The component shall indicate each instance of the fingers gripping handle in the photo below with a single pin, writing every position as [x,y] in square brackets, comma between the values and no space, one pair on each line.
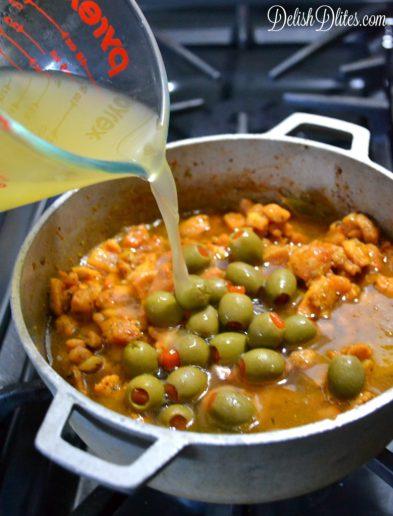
[49,441]
[360,135]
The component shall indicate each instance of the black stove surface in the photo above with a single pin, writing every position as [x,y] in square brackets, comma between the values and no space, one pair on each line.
[227,74]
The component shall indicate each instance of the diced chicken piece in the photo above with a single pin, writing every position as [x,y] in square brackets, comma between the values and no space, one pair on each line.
[234,220]
[277,254]
[384,284]
[79,354]
[257,220]
[312,260]
[82,301]
[360,350]
[376,259]
[221,240]
[114,296]
[69,279]
[357,225]
[195,226]
[357,252]
[102,259]
[294,236]
[93,340]
[324,293]
[86,273]
[276,213]
[335,235]
[108,385]
[74,343]
[303,358]
[136,237]
[57,296]
[163,280]
[341,262]
[112,246]
[245,205]
[110,280]
[143,275]
[66,325]
[123,268]
[120,331]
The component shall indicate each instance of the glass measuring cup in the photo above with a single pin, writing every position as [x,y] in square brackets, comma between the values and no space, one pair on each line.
[81,84]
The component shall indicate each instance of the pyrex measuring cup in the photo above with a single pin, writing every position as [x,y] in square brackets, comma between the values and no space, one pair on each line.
[83,95]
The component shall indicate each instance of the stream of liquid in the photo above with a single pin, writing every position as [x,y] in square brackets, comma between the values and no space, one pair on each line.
[88,121]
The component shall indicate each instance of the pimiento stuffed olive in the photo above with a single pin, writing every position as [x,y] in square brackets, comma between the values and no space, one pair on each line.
[240,273]
[299,328]
[280,285]
[177,416]
[262,365]
[197,257]
[266,331]
[193,293]
[227,347]
[346,376]
[192,350]
[186,384]
[145,392]
[217,288]
[139,357]
[231,408]
[246,246]
[162,309]
[235,311]
[204,322]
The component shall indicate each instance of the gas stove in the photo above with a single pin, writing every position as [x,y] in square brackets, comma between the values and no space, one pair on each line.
[227,73]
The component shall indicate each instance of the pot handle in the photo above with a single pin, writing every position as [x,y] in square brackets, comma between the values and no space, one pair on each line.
[50,442]
[360,135]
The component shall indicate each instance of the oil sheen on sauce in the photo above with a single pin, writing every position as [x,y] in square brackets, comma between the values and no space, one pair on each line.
[88,121]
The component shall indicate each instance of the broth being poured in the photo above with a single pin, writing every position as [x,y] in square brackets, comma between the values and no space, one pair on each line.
[90,122]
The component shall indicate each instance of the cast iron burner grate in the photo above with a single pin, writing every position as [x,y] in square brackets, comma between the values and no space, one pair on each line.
[227,74]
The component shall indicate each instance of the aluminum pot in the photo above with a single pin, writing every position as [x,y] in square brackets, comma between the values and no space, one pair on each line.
[210,172]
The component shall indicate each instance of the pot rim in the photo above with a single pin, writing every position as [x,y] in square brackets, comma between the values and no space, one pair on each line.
[123,423]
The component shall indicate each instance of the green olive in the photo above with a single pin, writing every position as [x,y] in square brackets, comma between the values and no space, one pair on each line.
[346,376]
[231,408]
[162,309]
[227,347]
[177,416]
[145,392]
[266,331]
[204,322]
[246,246]
[235,311]
[262,364]
[186,383]
[217,288]
[281,285]
[139,357]
[192,350]
[196,256]
[298,328]
[240,273]
[193,293]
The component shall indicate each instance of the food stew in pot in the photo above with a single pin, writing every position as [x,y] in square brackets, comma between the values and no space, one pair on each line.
[283,320]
